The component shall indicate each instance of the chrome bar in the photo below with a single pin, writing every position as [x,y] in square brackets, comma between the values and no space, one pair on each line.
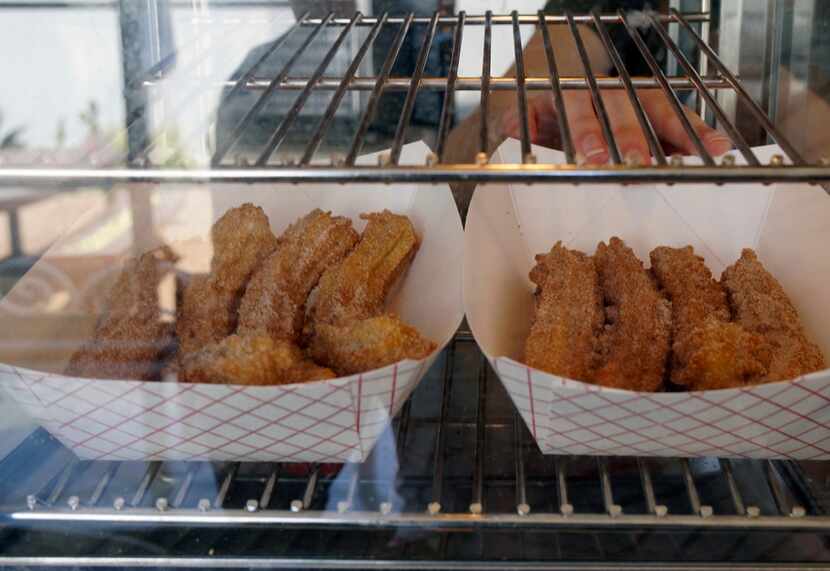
[468,83]
[266,95]
[636,104]
[419,520]
[556,87]
[62,481]
[703,61]
[477,503]
[106,478]
[311,148]
[311,487]
[505,20]
[734,491]
[599,105]
[691,490]
[521,93]
[264,562]
[730,129]
[441,434]
[759,113]
[785,502]
[47,180]
[409,102]
[648,487]
[612,509]
[522,507]
[270,486]
[561,467]
[449,92]
[485,84]
[377,89]
[277,137]
[149,475]
[184,487]
[670,95]
[219,500]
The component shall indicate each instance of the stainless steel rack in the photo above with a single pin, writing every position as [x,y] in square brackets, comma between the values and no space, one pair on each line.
[269,165]
[466,465]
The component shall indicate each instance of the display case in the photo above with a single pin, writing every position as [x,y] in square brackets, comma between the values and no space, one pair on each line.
[124,124]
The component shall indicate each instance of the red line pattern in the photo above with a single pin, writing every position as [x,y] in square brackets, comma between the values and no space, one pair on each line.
[779,420]
[128,420]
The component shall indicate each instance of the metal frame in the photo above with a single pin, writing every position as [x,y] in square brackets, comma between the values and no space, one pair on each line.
[271,167]
[278,498]
[53,502]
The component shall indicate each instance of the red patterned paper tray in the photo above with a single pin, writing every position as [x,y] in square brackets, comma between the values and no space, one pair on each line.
[48,316]
[788,228]
[331,421]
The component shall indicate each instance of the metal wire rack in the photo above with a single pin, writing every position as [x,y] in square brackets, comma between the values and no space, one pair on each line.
[466,470]
[228,164]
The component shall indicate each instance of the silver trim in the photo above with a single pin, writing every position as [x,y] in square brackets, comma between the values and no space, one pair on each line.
[49,179]
[287,563]
[439,520]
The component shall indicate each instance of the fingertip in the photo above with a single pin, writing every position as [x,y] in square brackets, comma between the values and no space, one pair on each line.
[717,143]
[634,156]
[593,150]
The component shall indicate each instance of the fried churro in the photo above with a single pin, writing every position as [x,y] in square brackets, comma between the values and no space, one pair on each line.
[634,346]
[568,314]
[760,305]
[130,337]
[708,352]
[251,360]
[367,344]
[356,288]
[242,239]
[275,299]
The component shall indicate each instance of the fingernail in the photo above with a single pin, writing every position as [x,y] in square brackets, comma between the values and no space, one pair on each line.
[592,148]
[633,158]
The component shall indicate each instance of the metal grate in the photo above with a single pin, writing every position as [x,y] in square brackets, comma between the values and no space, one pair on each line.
[467,467]
[268,164]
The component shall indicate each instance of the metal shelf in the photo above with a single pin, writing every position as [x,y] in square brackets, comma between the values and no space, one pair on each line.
[466,466]
[269,164]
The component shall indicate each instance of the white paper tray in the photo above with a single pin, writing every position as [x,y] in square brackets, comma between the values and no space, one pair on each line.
[327,421]
[788,227]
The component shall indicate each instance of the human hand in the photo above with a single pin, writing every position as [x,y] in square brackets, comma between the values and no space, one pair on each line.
[586,132]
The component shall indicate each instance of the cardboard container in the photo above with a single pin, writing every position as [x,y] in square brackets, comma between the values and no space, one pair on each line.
[327,421]
[789,227]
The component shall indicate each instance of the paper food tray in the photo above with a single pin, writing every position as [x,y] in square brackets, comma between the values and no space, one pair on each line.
[789,227]
[327,421]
